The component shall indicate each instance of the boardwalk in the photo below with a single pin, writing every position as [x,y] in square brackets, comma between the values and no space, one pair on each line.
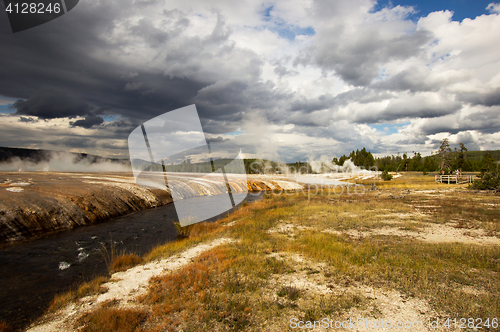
[454,178]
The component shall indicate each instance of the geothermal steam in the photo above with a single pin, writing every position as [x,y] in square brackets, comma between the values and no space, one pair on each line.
[63,162]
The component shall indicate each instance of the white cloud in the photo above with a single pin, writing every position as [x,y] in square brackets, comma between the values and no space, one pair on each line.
[494,8]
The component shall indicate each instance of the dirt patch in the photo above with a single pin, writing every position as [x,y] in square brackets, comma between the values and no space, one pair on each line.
[287,229]
[391,308]
[433,233]
[308,276]
[447,233]
[381,305]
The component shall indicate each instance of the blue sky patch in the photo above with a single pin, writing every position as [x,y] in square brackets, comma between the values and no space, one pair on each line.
[267,13]
[235,133]
[388,128]
[109,118]
[4,109]
[283,29]
[290,31]
[461,8]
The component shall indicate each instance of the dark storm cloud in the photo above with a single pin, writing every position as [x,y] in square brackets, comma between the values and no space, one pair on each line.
[154,36]
[27,120]
[485,121]
[224,104]
[396,111]
[88,122]
[357,61]
[414,140]
[467,139]
[75,142]
[418,79]
[217,139]
[409,79]
[415,106]
[60,57]
[51,104]
[491,98]
[360,95]
[313,104]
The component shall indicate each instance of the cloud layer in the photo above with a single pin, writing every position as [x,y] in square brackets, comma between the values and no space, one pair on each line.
[287,79]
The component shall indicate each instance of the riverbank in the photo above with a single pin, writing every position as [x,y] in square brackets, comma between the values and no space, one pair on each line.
[34,272]
[34,204]
[403,253]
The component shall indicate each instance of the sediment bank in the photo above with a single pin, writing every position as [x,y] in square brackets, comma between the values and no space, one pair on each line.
[33,204]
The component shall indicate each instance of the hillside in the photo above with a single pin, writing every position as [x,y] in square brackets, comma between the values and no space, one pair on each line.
[36,156]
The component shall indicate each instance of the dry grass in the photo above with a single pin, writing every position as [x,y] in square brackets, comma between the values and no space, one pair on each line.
[409,180]
[124,262]
[109,318]
[230,289]
[85,289]
[294,257]
[4,327]
[467,209]
[427,271]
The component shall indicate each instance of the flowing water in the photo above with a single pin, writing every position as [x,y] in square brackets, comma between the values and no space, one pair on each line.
[32,273]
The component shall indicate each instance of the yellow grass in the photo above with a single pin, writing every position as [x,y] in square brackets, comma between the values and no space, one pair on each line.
[87,288]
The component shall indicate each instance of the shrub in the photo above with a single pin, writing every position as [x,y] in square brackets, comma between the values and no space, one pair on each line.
[183,232]
[489,178]
[386,176]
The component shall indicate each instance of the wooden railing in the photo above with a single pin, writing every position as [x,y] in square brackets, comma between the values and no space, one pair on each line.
[454,178]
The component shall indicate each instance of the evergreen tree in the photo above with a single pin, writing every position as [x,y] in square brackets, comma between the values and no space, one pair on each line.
[490,179]
[445,154]
[461,157]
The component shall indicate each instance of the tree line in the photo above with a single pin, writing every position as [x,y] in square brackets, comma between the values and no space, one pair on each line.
[445,159]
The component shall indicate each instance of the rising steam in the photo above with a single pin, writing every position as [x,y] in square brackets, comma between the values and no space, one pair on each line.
[325,165]
[64,162]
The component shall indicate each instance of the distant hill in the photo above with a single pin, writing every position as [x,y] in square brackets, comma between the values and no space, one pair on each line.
[37,156]
[478,155]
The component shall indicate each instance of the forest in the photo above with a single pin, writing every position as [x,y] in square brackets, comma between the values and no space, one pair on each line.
[446,158]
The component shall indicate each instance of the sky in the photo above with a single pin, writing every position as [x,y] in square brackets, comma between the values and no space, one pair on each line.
[284,80]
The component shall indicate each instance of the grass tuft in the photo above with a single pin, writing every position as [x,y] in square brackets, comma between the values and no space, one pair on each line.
[4,327]
[124,262]
[85,289]
[292,293]
[111,319]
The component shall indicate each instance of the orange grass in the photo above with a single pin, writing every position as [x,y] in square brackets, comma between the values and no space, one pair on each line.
[105,319]
[124,262]
[4,327]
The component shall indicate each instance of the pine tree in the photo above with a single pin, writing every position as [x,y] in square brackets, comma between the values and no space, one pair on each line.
[445,153]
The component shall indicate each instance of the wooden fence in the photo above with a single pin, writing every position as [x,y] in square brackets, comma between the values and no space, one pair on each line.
[454,178]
